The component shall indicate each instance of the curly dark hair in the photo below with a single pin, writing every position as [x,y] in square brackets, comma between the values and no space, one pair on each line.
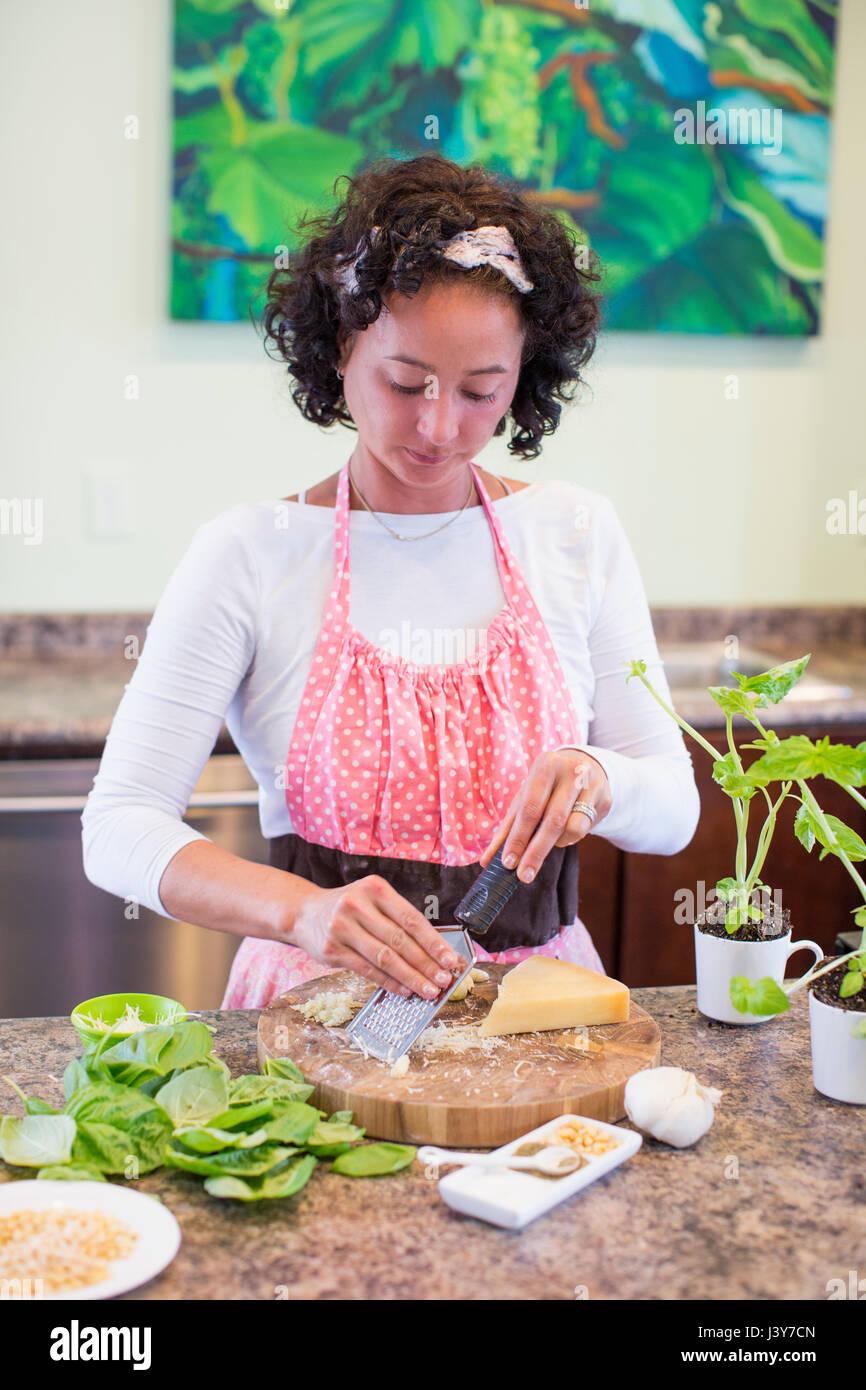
[419,204]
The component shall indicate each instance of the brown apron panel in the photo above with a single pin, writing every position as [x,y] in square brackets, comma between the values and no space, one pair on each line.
[535,912]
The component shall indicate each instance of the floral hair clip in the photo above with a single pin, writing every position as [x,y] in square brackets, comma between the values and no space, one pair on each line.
[478,246]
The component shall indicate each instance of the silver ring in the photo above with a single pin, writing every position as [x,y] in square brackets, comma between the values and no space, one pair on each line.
[587,810]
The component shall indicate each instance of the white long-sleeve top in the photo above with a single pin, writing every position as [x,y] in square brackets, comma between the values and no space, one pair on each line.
[233,637]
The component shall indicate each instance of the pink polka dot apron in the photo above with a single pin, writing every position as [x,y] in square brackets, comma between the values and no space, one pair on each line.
[405,771]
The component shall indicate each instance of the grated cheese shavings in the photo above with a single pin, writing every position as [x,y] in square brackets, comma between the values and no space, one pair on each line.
[130,1021]
[463,1038]
[330,1008]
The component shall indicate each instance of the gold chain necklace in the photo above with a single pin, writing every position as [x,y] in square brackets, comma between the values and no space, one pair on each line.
[396,534]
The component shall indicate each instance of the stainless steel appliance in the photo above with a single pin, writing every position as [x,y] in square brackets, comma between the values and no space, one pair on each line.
[63,940]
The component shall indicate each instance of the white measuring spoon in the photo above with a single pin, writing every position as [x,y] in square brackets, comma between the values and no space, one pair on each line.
[555,1159]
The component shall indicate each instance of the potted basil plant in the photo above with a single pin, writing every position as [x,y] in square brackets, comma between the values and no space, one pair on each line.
[837,985]
[744,931]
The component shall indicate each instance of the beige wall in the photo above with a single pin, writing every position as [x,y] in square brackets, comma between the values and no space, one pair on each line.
[84,286]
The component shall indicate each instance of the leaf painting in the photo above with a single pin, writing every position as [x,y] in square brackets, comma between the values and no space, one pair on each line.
[688,143]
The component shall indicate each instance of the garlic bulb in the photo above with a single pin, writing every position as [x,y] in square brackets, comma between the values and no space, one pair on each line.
[670,1104]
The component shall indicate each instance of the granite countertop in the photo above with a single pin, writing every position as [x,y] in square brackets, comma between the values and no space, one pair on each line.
[768,1205]
[62,680]
[64,674]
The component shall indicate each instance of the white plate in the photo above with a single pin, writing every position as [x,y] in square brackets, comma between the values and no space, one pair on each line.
[157,1230]
[513,1199]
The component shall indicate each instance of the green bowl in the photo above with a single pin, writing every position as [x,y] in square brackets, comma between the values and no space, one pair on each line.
[152,1008]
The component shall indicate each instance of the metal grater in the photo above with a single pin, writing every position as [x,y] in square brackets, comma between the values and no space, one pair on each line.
[388,1024]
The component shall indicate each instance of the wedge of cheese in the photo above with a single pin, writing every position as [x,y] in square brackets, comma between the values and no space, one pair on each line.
[542,993]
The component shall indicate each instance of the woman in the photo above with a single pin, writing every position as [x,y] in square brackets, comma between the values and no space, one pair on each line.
[430,304]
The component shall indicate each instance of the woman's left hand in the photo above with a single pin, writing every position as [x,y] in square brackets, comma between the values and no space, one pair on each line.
[541,814]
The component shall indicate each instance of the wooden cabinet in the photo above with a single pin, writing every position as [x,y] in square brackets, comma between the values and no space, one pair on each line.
[629,902]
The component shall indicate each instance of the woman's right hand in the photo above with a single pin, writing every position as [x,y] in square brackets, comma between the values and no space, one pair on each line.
[366,926]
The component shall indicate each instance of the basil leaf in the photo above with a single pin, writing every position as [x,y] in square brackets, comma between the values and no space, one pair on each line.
[149,1135]
[763,996]
[107,1103]
[34,1141]
[139,1118]
[119,1127]
[230,1187]
[281,1066]
[217,1064]
[70,1172]
[240,1115]
[207,1139]
[151,1053]
[104,1147]
[77,1076]
[732,921]
[329,1138]
[848,839]
[736,701]
[286,1183]
[32,1104]
[246,1139]
[235,1162]
[374,1160]
[247,1090]
[776,682]
[852,983]
[156,1083]
[731,779]
[799,757]
[293,1125]
[194,1097]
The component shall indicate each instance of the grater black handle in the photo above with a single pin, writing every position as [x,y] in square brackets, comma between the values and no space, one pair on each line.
[487,896]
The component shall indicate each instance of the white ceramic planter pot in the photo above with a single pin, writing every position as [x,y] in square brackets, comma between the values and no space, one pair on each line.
[838,1059]
[718,959]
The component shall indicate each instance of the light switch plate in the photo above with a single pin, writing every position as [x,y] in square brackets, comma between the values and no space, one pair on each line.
[109,504]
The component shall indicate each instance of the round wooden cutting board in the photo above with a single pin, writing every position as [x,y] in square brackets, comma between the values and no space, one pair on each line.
[494,1092]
